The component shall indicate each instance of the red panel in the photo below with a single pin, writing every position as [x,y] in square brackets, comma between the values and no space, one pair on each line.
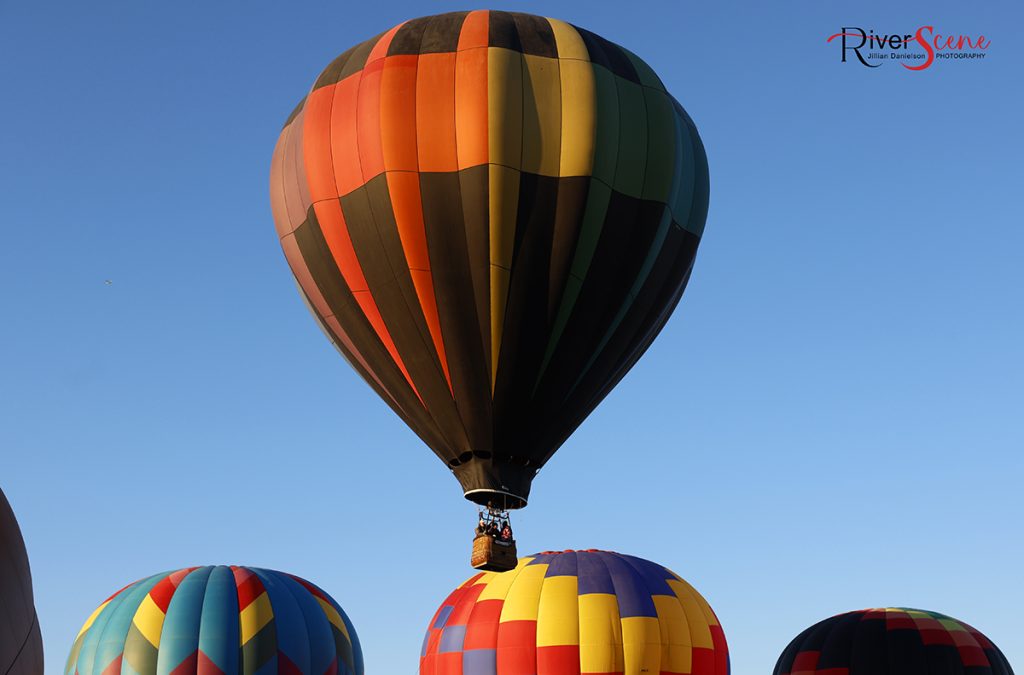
[449,663]
[371,152]
[316,144]
[704,661]
[806,661]
[188,666]
[113,668]
[517,648]
[482,629]
[205,666]
[938,636]
[398,113]
[558,660]
[721,650]
[428,664]
[285,666]
[162,593]
[973,656]
[471,107]
[435,112]
[464,607]
[344,139]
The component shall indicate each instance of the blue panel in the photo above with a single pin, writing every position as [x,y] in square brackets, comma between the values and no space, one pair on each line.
[426,640]
[452,639]
[654,575]
[540,559]
[218,625]
[179,637]
[442,616]
[322,650]
[563,565]
[480,662]
[593,574]
[630,590]
[289,621]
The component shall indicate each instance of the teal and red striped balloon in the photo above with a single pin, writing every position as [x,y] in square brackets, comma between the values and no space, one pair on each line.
[217,620]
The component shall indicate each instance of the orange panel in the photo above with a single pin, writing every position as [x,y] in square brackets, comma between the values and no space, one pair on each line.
[471,107]
[316,144]
[475,30]
[335,230]
[380,50]
[282,223]
[435,112]
[371,153]
[344,141]
[398,113]
[404,189]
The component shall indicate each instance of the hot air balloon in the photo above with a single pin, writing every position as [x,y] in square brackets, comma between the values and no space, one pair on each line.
[895,641]
[572,612]
[217,621]
[21,645]
[491,215]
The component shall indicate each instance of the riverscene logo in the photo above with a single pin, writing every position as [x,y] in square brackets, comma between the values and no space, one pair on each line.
[914,51]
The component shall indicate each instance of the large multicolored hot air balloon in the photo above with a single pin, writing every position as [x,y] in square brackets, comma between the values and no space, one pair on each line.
[891,641]
[217,621]
[491,215]
[572,613]
[21,645]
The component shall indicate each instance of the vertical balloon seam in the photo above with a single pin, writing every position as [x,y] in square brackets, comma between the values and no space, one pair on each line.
[123,604]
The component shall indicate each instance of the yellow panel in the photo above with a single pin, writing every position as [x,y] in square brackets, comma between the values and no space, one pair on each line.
[92,617]
[255,616]
[542,115]
[568,41]
[641,645]
[579,118]
[558,618]
[676,656]
[699,631]
[503,205]
[600,634]
[505,106]
[332,616]
[149,619]
[523,597]
[498,584]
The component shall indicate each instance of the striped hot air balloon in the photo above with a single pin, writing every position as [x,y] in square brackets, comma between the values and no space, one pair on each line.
[217,620]
[573,613]
[21,645]
[491,215]
[893,641]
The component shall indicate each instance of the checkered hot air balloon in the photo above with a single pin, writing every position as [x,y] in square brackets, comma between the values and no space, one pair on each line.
[491,215]
[891,641]
[214,621]
[573,613]
[21,645]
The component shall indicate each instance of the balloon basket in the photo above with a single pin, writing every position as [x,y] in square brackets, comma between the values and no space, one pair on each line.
[492,555]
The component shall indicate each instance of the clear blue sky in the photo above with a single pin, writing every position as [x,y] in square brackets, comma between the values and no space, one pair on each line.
[831,420]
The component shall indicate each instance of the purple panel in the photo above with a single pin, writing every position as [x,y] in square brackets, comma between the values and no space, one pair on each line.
[442,616]
[480,662]
[452,638]
[654,575]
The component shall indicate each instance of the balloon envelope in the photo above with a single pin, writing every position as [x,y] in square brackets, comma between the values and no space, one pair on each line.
[572,612]
[218,620]
[21,645]
[491,215]
[895,641]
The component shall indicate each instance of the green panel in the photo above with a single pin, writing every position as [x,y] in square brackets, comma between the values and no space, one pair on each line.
[683,200]
[632,159]
[606,141]
[647,76]
[661,147]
